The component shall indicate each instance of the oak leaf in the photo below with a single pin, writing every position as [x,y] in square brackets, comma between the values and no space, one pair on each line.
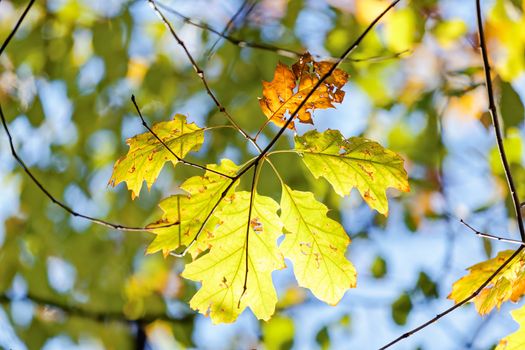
[222,271]
[146,155]
[289,88]
[188,211]
[354,162]
[507,285]
[316,245]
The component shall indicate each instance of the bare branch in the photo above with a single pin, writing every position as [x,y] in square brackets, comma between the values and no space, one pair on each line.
[489,236]
[267,47]
[461,303]
[495,120]
[200,72]
[515,199]
[198,166]
[231,22]
[17,25]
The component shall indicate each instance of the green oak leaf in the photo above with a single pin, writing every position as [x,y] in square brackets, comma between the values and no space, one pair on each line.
[316,245]
[146,155]
[222,270]
[191,209]
[354,162]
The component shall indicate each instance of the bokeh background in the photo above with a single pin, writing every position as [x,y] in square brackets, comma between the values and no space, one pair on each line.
[416,86]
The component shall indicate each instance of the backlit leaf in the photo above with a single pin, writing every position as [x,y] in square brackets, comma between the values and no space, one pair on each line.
[289,88]
[516,340]
[316,245]
[146,155]
[354,162]
[508,285]
[190,210]
[222,270]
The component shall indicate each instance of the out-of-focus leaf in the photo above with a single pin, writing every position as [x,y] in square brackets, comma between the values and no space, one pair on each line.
[323,339]
[511,106]
[427,286]
[354,162]
[278,333]
[378,267]
[401,308]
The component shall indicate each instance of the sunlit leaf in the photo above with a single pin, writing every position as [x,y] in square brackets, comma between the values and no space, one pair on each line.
[354,162]
[516,340]
[290,87]
[508,285]
[146,155]
[316,245]
[222,270]
[191,209]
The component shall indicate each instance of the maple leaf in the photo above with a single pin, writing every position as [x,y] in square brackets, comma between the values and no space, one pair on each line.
[516,340]
[508,285]
[316,245]
[354,162]
[146,155]
[290,87]
[191,209]
[222,270]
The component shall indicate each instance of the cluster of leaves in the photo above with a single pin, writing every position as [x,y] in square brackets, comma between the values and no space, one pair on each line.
[233,235]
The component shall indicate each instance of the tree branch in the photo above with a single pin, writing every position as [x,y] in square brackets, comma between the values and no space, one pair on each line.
[515,199]
[489,236]
[495,121]
[200,73]
[266,47]
[461,303]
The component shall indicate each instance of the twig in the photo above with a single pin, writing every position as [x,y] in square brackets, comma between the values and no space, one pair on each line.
[247,239]
[489,236]
[515,199]
[461,303]
[99,316]
[199,72]
[266,47]
[198,166]
[231,22]
[495,120]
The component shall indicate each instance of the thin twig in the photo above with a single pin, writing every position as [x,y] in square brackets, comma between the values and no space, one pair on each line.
[231,22]
[461,303]
[267,47]
[248,225]
[199,72]
[495,121]
[198,166]
[489,236]
[515,199]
